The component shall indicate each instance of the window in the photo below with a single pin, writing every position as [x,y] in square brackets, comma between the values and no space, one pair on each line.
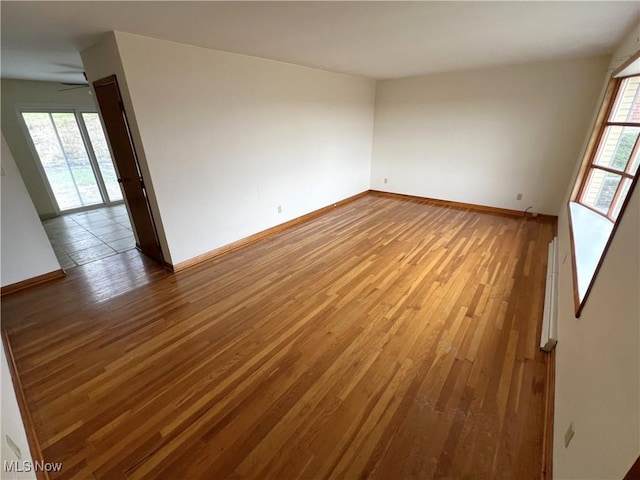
[615,162]
[74,156]
[611,172]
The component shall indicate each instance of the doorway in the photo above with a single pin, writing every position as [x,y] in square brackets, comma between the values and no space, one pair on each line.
[116,126]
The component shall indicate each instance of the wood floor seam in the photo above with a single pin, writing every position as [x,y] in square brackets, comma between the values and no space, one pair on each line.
[387,338]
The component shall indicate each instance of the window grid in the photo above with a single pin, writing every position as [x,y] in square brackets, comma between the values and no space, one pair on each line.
[626,174]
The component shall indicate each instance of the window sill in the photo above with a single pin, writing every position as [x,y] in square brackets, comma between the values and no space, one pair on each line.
[590,234]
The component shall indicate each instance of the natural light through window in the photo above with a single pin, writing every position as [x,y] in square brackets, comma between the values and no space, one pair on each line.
[616,160]
[606,183]
[75,158]
[102,154]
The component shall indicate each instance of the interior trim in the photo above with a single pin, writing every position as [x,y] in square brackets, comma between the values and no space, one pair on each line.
[470,206]
[579,304]
[549,401]
[634,471]
[596,131]
[596,135]
[316,213]
[260,235]
[32,438]
[31,282]
[626,64]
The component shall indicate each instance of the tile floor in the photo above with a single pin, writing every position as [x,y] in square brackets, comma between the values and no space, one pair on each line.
[84,237]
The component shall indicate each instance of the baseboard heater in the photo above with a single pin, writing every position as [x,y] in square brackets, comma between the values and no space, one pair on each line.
[549,336]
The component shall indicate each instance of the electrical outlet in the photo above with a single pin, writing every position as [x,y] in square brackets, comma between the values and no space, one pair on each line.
[386,180]
[279,209]
[568,435]
[519,196]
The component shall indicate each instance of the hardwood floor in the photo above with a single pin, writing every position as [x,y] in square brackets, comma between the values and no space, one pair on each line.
[387,339]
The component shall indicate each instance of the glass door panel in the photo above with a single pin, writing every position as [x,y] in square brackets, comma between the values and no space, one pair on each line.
[102,154]
[64,165]
[77,158]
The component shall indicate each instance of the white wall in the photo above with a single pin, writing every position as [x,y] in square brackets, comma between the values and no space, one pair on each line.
[26,251]
[598,354]
[228,138]
[12,425]
[26,93]
[598,362]
[103,60]
[484,136]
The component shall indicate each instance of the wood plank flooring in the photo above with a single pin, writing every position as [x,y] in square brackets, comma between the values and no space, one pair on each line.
[386,339]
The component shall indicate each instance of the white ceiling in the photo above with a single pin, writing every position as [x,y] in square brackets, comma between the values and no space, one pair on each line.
[42,40]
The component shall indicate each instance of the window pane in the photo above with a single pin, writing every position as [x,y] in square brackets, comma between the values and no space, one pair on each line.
[625,191]
[77,158]
[600,190]
[627,106]
[45,140]
[616,147]
[101,150]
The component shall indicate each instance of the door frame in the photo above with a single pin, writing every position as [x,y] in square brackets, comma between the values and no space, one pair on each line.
[113,79]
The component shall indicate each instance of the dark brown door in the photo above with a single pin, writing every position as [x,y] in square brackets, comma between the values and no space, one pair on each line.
[124,155]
